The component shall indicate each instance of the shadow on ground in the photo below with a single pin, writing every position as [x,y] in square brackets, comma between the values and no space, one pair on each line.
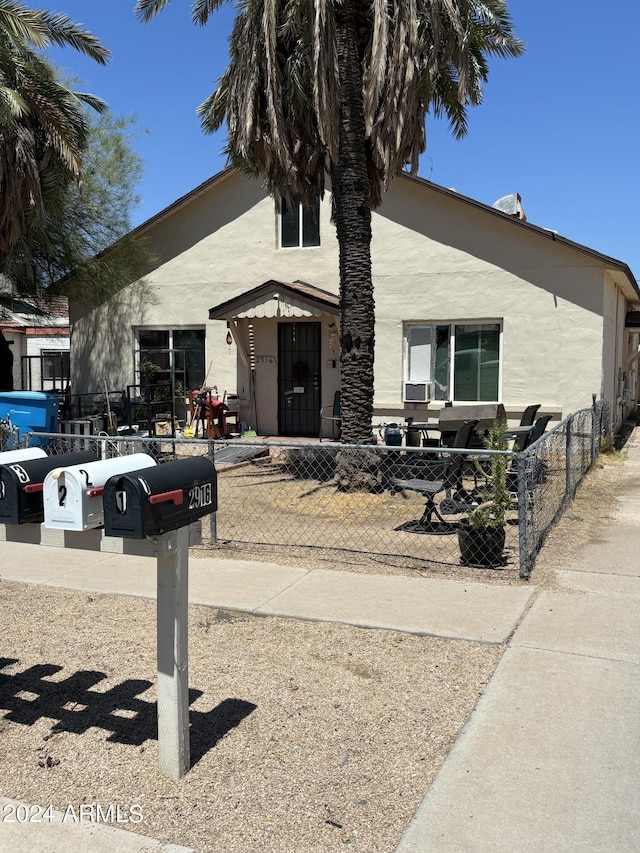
[75,705]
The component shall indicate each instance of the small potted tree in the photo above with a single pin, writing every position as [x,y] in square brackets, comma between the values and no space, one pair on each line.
[481,536]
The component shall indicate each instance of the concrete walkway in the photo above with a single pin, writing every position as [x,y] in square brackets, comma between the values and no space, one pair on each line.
[550,758]
[549,762]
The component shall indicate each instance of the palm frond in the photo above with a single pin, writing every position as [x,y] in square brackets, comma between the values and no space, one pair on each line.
[41,29]
[146,10]
[202,10]
[281,92]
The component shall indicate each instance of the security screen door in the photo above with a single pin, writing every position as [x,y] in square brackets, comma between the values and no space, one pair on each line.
[298,378]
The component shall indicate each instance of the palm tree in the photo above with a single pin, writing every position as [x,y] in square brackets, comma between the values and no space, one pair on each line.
[43,126]
[342,88]
[42,135]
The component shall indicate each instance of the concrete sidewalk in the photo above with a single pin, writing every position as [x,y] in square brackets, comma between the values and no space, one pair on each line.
[470,611]
[550,758]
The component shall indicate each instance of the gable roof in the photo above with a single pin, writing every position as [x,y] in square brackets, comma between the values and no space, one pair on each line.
[620,271]
[278,299]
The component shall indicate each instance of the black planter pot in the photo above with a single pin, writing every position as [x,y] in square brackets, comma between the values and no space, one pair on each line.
[482,548]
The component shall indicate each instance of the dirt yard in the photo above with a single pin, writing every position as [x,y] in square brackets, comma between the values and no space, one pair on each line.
[264,503]
[306,737]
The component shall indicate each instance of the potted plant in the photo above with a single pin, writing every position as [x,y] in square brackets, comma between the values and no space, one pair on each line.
[481,536]
[148,372]
[180,401]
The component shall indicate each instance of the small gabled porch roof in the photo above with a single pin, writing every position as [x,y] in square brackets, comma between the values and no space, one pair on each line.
[278,299]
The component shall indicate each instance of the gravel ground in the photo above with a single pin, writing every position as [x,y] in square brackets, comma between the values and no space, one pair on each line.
[304,736]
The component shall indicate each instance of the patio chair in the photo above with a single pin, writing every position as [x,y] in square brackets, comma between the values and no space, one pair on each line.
[529,414]
[523,439]
[522,443]
[449,482]
[335,417]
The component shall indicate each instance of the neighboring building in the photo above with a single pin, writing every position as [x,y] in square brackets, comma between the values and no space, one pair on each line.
[37,331]
[473,303]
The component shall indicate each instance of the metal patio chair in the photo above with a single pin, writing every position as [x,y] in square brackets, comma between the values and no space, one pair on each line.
[335,417]
[449,483]
[529,414]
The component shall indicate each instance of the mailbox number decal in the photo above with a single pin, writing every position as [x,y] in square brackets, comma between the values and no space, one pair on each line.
[121,501]
[200,496]
[62,495]
[20,473]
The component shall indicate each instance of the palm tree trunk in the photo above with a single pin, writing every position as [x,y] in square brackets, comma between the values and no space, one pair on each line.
[352,214]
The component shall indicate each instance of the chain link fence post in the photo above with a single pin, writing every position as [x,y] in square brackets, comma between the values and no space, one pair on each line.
[525,556]
[567,457]
[595,424]
[213,518]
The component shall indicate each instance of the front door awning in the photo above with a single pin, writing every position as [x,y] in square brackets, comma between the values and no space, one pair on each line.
[278,299]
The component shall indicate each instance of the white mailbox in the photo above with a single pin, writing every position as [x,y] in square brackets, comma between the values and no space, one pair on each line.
[8,457]
[73,495]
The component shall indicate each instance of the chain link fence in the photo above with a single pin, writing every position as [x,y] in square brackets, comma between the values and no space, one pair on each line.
[280,500]
[550,471]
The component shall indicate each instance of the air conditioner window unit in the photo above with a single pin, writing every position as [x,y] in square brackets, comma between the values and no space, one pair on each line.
[416,392]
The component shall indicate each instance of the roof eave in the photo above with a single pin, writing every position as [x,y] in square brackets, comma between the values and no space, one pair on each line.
[184,200]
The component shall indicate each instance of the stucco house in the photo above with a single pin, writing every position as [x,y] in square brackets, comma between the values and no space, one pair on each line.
[36,329]
[473,303]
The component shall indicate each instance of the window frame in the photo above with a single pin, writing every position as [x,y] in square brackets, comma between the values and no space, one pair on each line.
[65,362]
[180,372]
[302,211]
[410,377]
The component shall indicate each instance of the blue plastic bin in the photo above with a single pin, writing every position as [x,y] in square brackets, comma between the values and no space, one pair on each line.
[30,411]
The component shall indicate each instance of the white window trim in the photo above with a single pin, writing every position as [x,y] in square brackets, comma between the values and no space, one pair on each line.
[300,231]
[485,321]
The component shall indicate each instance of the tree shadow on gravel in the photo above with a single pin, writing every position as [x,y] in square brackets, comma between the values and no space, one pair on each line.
[75,705]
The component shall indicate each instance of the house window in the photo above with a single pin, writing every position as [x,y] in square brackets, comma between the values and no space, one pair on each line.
[299,225]
[453,361]
[55,364]
[180,349]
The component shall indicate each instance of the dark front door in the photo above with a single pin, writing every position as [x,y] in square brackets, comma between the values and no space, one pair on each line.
[298,378]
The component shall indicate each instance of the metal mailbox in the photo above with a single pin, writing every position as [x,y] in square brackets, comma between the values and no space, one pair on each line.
[22,485]
[145,503]
[8,456]
[73,496]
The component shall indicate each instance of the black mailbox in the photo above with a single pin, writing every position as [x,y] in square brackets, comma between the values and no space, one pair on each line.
[152,501]
[22,485]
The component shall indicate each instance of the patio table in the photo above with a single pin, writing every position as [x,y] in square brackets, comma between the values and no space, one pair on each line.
[424,427]
[516,432]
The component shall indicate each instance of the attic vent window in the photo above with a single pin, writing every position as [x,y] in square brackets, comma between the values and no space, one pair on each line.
[299,226]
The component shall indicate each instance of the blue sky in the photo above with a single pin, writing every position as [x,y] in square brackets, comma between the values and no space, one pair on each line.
[557,125]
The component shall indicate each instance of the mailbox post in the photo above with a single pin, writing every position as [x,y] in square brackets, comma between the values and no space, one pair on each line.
[148,511]
[174,753]
[153,502]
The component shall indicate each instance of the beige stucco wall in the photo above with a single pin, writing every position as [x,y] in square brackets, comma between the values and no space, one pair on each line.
[434,260]
[463,264]
[220,245]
